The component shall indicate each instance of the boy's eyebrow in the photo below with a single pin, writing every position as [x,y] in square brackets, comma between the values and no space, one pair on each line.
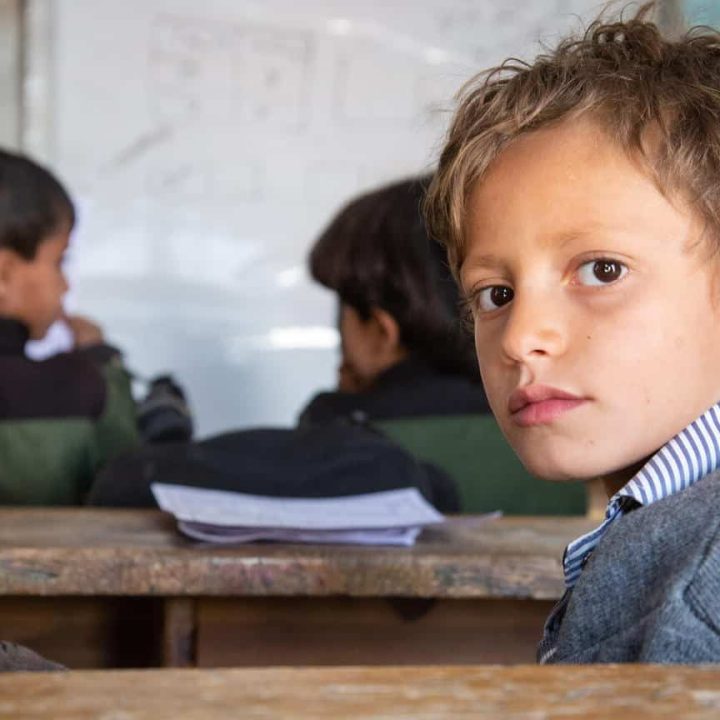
[488,261]
[480,262]
[567,236]
[557,240]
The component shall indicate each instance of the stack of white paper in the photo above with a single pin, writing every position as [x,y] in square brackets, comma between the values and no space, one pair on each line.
[394,517]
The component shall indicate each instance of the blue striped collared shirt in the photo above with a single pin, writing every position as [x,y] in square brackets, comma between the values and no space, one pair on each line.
[690,455]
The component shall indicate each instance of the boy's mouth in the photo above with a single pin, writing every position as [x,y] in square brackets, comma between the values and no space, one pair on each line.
[540,404]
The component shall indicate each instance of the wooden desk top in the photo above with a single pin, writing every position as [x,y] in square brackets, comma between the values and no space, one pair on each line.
[84,551]
[413,693]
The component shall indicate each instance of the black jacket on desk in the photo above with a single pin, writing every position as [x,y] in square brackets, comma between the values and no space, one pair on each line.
[331,453]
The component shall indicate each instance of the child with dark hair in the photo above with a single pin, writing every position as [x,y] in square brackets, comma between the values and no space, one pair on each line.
[404,351]
[578,198]
[62,418]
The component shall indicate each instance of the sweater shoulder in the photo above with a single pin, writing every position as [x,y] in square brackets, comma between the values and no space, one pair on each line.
[66,385]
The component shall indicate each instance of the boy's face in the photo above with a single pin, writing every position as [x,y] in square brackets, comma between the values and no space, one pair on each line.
[369,348]
[597,325]
[33,290]
[357,366]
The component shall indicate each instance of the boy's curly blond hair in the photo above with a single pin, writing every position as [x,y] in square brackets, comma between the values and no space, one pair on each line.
[659,99]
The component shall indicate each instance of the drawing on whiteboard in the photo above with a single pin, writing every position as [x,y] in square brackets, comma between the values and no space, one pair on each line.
[366,94]
[181,181]
[229,72]
[178,175]
[358,101]
[139,147]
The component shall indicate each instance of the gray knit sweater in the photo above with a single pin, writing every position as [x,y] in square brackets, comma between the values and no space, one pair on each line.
[21,659]
[650,591]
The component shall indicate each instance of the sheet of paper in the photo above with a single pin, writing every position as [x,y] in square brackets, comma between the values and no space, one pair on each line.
[394,536]
[384,510]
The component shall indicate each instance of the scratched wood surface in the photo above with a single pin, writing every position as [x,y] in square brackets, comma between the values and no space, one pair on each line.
[138,552]
[415,693]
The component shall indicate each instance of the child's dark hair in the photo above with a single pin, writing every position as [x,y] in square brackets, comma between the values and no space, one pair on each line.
[33,205]
[377,253]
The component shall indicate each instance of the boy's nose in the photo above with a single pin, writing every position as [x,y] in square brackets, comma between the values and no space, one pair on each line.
[535,328]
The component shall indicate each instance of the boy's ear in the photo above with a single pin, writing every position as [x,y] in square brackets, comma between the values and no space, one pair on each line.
[387,327]
[8,262]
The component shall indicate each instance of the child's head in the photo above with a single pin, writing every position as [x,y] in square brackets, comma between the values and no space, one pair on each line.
[397,296]
[36,217]
[579,200]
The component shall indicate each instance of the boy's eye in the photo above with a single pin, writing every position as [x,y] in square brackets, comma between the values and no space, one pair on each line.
[600,272]
[494,297]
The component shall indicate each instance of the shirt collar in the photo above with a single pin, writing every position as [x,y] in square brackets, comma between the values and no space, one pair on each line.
[689,456]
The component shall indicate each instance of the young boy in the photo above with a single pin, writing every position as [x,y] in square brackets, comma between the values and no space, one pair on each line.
[64,417]
[578,198]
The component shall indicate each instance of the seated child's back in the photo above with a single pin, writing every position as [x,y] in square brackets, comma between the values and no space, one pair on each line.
[61,418]
[404,351]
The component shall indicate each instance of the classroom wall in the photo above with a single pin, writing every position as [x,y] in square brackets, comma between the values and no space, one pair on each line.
[10,73]
[701,12]
[208,143]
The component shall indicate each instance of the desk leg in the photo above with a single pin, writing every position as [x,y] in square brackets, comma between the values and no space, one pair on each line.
[179,633]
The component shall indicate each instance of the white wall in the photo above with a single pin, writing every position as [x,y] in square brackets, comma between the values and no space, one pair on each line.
[208,142]
[10,72]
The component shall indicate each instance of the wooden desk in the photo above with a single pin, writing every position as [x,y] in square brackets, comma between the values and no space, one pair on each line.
[467,592]
[639,692]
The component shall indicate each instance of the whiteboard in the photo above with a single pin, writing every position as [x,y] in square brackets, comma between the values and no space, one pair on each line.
[208,143]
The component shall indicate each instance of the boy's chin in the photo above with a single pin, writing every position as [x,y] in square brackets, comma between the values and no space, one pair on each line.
[563,471]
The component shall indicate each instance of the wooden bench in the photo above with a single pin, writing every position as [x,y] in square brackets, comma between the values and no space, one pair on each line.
[121,588]
[639,692]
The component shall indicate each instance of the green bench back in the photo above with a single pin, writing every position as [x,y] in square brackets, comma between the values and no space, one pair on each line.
[472,450]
